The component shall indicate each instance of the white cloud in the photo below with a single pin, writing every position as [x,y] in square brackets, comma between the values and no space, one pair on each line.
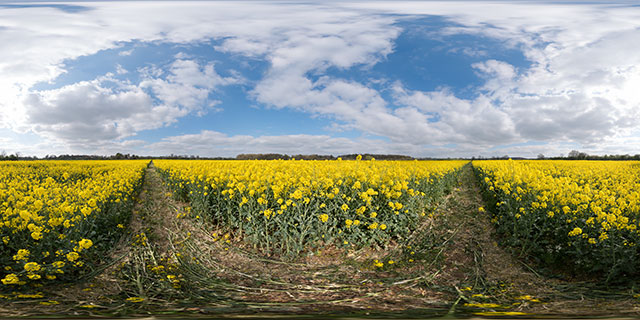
[125,53]
[578,89]
[120,70]
[469,122]
[581,86]
[91,112]
[217,144]
[188,85]
[104,111]
[295,39]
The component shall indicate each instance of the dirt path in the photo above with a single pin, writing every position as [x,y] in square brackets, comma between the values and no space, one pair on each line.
[172,262]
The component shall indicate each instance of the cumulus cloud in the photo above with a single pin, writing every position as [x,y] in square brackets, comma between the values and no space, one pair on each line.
[571,92]
[470,122]
[578,89]
[216,144]
[294,38]
[89,112]
[100,113]
[188,85]
[581,87]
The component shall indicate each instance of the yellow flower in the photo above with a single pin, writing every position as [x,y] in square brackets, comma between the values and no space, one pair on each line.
[85,243]
[31,266]
[135,299]
[576,231]
[11,278]
[324,217]
[22,254]
[73,256]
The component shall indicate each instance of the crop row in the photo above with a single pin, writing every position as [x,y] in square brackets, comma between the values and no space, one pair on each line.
[578,216]
[286,206]
[59,217]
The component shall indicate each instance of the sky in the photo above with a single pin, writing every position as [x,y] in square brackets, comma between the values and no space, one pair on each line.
[419,78]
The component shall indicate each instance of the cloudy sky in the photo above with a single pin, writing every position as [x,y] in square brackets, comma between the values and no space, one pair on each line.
[421,78]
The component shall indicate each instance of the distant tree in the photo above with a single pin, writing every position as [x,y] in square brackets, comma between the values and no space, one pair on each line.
[577,155]
[261,156]
[540,156]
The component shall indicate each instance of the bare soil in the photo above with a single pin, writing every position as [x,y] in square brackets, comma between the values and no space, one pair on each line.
[175,263]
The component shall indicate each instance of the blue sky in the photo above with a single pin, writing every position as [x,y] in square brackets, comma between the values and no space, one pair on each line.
[422,78]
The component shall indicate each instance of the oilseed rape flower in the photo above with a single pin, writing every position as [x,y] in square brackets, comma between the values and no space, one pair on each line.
[576,231]
[53,207]
[579,214]
[32,266]
[22,254]
[10,279]
[340,200]
[85,243]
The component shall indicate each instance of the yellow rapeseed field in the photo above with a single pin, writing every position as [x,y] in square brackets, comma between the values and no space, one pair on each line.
[58,216]
[285,206]
[580,214]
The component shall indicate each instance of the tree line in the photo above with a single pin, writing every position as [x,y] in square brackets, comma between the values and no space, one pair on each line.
[573,155]
[353,156]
